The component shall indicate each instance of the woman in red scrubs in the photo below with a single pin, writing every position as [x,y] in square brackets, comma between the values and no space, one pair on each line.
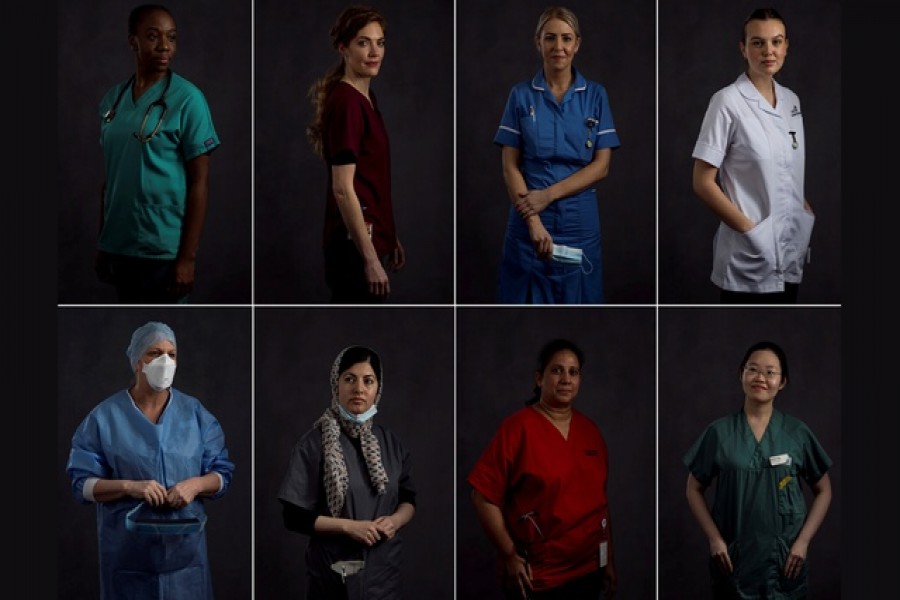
[360,239]
[539,490]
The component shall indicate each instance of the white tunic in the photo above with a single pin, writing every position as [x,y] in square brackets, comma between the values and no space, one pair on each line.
[759,151]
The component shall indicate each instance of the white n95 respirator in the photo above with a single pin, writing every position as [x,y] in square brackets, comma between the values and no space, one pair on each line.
[160,372]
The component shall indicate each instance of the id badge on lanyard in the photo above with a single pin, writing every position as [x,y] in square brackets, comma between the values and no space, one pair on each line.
[604,545]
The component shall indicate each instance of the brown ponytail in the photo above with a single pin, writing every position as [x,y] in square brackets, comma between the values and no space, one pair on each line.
[348,24]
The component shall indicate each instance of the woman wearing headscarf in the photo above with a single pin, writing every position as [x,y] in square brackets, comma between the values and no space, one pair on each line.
[348,487]
[147,457]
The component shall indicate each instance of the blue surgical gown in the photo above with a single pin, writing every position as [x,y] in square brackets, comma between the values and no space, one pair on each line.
[116,441]
[555,139]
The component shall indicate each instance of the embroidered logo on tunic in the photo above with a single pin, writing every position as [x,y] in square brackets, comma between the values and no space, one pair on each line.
[209,142]
[795,111]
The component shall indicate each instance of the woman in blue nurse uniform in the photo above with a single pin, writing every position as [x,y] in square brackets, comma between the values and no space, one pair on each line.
[557,136]
[157,135]
[752,140]
[150,451]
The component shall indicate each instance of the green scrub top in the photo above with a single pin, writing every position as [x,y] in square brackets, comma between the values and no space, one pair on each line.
[146,183]
[758,506]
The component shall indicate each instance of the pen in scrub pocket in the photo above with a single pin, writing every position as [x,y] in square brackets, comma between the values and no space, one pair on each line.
[531,112]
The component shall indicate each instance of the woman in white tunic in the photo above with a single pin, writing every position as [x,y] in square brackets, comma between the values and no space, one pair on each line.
[749,170]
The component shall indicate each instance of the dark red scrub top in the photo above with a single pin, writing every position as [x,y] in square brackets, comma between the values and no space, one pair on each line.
[552,492]
[354,132]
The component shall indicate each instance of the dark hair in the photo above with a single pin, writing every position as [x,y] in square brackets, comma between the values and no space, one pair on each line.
[761,14]
[140,12]
[348,24]
[547,352]
[772,347]
[358,354]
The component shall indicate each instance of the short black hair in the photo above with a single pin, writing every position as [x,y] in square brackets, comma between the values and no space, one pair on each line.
[139,12]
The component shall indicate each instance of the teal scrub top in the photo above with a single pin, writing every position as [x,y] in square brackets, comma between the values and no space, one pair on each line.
[758,506]
[146,183]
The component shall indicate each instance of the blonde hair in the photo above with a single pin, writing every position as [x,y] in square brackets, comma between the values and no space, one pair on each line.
[348,24]
[557,12]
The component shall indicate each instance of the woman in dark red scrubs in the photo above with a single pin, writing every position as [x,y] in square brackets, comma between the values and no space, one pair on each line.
[348,132]
[539,490]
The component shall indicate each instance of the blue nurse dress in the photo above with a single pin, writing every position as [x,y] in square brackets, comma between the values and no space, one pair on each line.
[555,140]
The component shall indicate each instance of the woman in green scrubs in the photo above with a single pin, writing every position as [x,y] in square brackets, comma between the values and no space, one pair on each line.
[157,135]
[759,528]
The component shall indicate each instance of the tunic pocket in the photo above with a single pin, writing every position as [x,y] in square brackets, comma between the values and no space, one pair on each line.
[750,257]
[797,233]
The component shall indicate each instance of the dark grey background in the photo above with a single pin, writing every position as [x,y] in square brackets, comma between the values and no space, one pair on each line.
[700,351]
[295,348]
[497,352]
[214,53]
[415,95]
[214,365]
[699,54]
[495,50]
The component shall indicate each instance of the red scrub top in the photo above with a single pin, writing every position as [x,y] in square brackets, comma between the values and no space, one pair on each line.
[354,133]
[552,492]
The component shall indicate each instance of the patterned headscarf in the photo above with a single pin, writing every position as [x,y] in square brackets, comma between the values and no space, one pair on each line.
[331,423]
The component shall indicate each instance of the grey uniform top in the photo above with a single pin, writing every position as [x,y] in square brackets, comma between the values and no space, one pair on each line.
[303,486]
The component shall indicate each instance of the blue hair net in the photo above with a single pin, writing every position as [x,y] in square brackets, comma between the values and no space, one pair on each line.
[146,334]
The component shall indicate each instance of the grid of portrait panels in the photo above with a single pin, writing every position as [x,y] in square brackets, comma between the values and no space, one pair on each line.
[559,380]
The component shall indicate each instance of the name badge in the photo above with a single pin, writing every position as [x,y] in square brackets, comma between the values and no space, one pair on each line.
[604,558]
[780,459]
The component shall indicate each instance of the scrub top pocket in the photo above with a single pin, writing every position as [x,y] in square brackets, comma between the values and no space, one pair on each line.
[790,496]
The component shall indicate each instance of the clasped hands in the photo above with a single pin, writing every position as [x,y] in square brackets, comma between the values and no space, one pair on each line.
[153,493]
[371,532]
[532,202]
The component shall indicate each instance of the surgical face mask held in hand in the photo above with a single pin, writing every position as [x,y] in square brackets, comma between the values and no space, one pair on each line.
[568,255]
[160,372]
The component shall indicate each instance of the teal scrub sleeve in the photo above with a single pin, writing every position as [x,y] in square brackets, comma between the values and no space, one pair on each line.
[700,459]
[816,461]
[199,133]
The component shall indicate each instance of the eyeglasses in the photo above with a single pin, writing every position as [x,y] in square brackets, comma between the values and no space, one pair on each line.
[753,371]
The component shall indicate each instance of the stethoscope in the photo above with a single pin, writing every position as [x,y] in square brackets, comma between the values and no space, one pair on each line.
[160,102]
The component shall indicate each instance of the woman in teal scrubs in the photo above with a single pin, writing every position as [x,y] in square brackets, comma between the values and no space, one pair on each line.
[157,135]
[759,528]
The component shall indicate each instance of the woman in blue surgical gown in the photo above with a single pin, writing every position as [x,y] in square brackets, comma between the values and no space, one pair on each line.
[759,528]
[151,454]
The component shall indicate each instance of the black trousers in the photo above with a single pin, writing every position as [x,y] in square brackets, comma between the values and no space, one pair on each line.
[587,587]
[788,296]
[140,280]
[345,275]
